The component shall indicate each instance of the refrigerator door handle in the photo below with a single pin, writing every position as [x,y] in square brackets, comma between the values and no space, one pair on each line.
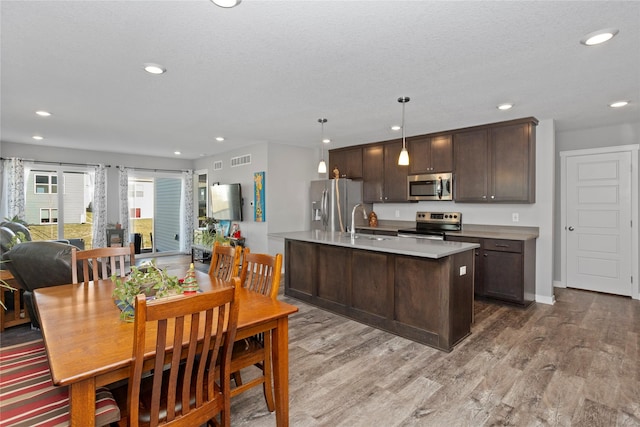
[325,213]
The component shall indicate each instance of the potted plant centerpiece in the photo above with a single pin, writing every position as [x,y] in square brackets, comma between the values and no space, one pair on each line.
[148,279]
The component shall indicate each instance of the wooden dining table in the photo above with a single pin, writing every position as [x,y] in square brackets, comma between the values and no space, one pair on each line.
[88,344]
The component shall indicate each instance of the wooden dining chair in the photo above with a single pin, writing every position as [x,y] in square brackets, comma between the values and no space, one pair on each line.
[260,273]
[96,261]
[225,261]
[179,388]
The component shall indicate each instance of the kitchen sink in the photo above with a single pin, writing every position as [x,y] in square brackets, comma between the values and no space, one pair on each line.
[370,237]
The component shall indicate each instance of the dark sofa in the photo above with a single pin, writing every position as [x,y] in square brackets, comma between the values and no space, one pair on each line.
[36,265]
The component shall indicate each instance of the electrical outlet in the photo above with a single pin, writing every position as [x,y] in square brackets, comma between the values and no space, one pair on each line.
[515,217]
[463,270]
[397,213]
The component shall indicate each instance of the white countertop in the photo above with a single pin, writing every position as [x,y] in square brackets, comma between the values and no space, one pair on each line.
[397,245]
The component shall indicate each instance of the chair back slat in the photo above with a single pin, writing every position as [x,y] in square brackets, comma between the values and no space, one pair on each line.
[225,261]
[261,273]
[197,331]
[97,260]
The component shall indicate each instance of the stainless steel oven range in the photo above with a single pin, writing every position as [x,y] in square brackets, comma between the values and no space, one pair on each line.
[433,225]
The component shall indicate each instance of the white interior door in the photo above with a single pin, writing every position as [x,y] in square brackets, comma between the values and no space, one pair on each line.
[598,222]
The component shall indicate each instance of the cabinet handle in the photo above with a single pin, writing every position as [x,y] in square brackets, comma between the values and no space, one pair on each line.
[484,197]
[486,255]
[501,246]
[493,197]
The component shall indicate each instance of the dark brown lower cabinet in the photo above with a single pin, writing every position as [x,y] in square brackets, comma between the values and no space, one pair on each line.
[505,269]
[423,299]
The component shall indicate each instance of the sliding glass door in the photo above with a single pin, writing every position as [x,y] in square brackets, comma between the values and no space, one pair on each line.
[154,211]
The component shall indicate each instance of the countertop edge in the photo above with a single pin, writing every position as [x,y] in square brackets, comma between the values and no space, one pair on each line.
[479,231]
[422,248]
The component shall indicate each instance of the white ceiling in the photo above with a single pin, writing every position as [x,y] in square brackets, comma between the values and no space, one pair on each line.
[267,70]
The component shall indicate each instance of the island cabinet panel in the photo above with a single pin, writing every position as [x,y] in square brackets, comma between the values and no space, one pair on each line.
[333,274]
[369,283]
[417,293]
[301,274]
[423,299]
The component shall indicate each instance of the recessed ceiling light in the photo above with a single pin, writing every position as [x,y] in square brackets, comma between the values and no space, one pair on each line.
[219,138]
[226,3]
[505,106]
[598,37]
[43,113]
[396,127]
[37,137]
[154,69]
[326,140]
[618,104]
[177,153]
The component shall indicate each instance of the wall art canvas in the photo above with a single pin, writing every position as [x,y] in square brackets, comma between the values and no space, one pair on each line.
[259,213]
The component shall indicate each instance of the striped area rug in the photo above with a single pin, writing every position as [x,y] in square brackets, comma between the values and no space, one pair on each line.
[28,397]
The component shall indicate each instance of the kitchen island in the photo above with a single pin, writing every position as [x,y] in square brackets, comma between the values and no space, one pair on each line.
[419,289]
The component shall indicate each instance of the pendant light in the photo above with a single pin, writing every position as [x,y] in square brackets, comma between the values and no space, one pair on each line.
[403,160]
[226,3]
[322,166]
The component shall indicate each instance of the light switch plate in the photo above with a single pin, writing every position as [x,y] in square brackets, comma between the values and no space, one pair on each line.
[463,270]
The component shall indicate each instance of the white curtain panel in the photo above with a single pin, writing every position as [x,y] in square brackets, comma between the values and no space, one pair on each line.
[13,189]
[124,201]
[186,211]
[100,207]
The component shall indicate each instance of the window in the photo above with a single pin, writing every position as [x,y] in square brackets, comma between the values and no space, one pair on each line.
[48,216]
[46,184]
[58,204]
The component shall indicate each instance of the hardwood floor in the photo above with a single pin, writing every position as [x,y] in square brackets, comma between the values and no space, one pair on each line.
[576,363]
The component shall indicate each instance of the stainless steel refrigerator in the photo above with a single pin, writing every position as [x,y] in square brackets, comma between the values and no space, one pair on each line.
[332,202]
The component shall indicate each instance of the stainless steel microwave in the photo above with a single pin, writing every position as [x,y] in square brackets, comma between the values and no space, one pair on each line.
[437,186]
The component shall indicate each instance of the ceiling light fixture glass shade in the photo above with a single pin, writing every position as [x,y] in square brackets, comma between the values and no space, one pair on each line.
[322,166]
[43,113]
[154,69]
[505,106]
[226,3]
[598,37]
[403,160]
[619,104]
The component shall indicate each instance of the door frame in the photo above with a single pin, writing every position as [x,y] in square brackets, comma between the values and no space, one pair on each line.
[635,259]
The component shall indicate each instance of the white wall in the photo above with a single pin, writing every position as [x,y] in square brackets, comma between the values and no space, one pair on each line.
[609,136]
[288,170]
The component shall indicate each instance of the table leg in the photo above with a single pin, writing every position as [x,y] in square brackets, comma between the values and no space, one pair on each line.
[82,402]
[280,357]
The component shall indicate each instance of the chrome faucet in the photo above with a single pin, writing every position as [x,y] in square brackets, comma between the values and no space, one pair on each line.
[353,218]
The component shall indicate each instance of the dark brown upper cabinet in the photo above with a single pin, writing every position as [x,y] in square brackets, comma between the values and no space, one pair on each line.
[430,154]
[495,163]
[348,161]
[384,180]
